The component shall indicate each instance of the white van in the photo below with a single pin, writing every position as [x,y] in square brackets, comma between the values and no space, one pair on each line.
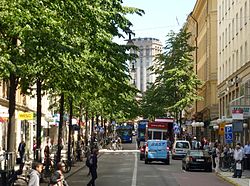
[180,149]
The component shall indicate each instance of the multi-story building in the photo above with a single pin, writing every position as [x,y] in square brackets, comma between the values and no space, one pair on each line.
[24,129]
[148,49]
[234,62]
[202,24]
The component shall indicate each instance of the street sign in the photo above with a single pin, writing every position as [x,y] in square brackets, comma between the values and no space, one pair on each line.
[229,134]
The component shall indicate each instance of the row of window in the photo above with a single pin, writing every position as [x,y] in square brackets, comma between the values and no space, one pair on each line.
[234,26]
[236,60]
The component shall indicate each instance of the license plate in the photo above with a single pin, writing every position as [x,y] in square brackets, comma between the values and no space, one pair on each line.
[199,159]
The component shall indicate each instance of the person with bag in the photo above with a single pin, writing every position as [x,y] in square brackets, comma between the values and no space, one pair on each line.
[238,157]
[57,178]
[93,167]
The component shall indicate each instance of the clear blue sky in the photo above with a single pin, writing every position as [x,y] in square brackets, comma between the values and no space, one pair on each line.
[160,17]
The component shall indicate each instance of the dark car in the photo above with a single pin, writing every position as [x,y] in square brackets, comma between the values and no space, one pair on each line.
[197,160]
[142,151]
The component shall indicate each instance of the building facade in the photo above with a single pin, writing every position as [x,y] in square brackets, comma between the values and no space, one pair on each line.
[202,23]
[148,49]
[234,63]
[24,129]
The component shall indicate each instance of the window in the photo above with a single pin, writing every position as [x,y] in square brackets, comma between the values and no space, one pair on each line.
[229,66]
[245,13]
[241,18]
[246,52]
[220,47]
[241,56]
[219,13]
[226,37]
[233,63]
[237,23]
[222,10]
[237,60]
[226,70]
[233,28]
[223,38]
[147,52]
[229,33]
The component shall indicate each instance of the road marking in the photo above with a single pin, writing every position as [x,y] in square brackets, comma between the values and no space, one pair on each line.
[112,151]
[134,172]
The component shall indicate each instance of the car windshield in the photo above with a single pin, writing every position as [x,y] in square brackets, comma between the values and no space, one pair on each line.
[196,153]
[183,145]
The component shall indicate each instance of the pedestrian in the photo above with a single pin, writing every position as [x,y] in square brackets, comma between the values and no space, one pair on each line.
[217,157]
[93,167]
[21,150]
[238,157]
[57,178]
[35,174]
[47,159]
[247,154]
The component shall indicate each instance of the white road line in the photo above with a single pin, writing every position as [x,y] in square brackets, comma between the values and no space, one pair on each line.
[134,172]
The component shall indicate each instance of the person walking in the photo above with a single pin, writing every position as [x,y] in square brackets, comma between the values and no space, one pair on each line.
[21,150]
[217,157]
[247,154]
[93,167]
[238,157]
[57,179]
[35,174]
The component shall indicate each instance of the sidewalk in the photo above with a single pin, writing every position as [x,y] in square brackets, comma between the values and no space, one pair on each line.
[77,166]
[243,181]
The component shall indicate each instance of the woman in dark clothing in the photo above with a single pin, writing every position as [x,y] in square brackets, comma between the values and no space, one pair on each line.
[93,167]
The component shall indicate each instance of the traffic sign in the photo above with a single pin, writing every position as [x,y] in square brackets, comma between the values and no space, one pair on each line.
[228,129]
[229,134]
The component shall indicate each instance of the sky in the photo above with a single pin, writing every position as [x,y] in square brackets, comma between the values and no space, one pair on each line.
[161,16]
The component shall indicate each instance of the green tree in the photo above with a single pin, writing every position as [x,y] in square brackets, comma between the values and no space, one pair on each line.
[176,84]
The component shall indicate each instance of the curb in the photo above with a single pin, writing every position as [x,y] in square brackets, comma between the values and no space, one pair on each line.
[228,180]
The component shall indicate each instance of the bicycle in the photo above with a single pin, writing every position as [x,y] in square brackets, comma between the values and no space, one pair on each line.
[68,165]
[15,179]
[228,163]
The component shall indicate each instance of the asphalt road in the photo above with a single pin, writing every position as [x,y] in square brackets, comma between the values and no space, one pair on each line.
[123,168]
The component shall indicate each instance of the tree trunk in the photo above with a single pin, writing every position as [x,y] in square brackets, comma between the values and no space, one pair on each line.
[70,127]
[92,124]
[86,128]
[38,119]
[60,128]
[11,135]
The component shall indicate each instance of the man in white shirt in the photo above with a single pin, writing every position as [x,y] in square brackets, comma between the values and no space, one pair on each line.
[238,157]
[247,154]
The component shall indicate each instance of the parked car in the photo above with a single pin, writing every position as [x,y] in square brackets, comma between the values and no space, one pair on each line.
[197,159]
[180,149]
[142,151]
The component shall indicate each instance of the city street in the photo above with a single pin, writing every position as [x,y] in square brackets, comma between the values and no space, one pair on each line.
[124,168]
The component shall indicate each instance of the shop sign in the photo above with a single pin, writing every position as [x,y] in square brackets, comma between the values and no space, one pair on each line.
[25,115]
[240,112]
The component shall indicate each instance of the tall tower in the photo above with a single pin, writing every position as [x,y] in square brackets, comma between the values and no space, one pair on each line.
[148,48]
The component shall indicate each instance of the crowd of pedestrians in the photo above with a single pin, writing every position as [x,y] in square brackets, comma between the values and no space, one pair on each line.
[238,154]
